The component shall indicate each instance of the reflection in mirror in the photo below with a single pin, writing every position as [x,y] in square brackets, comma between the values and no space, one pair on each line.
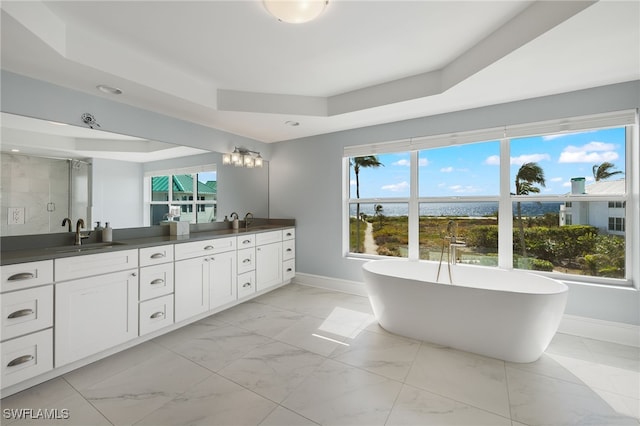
[51,171]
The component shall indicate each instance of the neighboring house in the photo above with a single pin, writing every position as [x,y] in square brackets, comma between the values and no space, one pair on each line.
[607,216]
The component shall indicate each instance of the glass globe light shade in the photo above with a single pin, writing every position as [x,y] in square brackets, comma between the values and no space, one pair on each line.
[295,11]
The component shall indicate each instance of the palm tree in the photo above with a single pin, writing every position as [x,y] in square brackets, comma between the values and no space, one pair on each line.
[528,176]
[357,163]
[603,171]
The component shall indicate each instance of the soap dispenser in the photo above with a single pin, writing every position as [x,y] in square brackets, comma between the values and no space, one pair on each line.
[107,233]
[98,230]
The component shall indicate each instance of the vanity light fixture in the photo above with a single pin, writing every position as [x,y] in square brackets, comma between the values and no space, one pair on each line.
[242,157]
[295,11]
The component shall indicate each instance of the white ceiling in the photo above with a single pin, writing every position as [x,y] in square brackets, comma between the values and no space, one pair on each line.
[231,66]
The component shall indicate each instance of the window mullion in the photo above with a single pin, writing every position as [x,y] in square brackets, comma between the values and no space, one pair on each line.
[505,210]
[414,219]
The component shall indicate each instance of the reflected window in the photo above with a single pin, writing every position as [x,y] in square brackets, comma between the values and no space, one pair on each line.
[193,197]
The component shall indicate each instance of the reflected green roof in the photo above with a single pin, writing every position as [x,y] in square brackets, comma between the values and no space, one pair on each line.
[182,184]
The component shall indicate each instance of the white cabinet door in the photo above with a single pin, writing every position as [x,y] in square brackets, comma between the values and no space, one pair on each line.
[191,287]
[268,266]
[222,279]
[94,314]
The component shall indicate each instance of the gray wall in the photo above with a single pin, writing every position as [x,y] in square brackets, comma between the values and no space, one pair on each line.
[306,184]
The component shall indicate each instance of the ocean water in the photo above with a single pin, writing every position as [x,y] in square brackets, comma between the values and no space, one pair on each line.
[529,209]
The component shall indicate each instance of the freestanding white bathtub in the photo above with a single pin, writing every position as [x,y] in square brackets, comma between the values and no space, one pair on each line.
[509,315]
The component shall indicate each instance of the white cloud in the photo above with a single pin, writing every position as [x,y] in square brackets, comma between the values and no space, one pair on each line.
[459,189]
[396,187]
[556,179]
[529,158]
[566,184]
[404,162]
[593,152]
[422,162]
[493,160]
[446,169]
[352,182]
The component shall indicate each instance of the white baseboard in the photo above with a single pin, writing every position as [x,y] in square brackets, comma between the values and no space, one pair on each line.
[608,331]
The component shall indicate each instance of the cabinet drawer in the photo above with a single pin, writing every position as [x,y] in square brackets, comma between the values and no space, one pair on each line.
[288,249]
[246,260]
[288,269]
[203,248]
[156,314]
[25,275]
[95,264]
[246,241]
[156,281]
[246,284]
[27,357]
[156,255]
[289,234]
[26,311]
[268,237]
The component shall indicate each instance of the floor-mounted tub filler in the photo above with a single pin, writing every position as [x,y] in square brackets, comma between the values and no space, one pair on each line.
[509,315]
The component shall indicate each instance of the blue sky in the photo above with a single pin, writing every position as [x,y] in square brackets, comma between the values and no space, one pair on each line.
[473,169]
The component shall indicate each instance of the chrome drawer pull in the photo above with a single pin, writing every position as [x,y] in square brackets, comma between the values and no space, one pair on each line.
[246,242]
[288,234]
[246,261]
[157,255]
[208,248]
[245,285]
[157,315]
[21,276]
[157,281]
[289,249]
[289,269]
[20,360]
[20,313]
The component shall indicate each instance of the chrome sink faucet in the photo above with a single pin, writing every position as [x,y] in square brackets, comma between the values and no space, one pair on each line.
[248,220]
[79,236]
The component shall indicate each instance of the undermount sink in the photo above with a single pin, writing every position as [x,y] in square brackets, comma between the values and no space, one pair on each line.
[87,247]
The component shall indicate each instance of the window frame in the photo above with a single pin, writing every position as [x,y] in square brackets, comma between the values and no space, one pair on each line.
[505,199]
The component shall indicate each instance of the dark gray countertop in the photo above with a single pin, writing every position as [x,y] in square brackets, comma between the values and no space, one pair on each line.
[10,257]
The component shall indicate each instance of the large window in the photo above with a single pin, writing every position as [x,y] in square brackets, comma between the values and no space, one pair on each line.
[183,196]
[554,202]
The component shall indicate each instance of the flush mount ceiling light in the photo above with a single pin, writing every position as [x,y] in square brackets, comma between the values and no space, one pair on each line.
[108,89]
[242,157]
[295,11]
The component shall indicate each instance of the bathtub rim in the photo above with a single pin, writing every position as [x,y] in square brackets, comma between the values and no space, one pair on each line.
[559,285]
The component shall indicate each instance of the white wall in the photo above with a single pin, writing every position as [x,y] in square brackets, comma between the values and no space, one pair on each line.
[306,184]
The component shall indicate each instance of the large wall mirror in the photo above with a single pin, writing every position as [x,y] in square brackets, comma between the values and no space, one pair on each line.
[51,171]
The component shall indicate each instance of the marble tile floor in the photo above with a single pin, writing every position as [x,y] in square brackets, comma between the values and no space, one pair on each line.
[308,356]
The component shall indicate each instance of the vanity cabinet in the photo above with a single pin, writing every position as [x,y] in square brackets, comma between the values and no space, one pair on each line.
[246,265]
[27,321]
[96,312]
[268,260]
[156,288]
[288,254]
[57,313]
[205,282]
